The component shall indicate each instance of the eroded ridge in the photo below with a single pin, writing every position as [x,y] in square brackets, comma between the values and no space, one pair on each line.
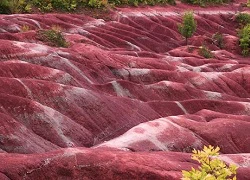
[125,85]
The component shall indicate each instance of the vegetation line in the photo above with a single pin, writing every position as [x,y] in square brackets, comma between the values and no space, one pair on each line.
[27,6]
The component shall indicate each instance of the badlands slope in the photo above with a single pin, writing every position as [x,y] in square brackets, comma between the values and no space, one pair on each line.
[126,100]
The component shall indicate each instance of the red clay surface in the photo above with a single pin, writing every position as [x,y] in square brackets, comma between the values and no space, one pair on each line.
[127,100]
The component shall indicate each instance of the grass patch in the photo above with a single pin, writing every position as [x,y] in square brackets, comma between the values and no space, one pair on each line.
[218,40]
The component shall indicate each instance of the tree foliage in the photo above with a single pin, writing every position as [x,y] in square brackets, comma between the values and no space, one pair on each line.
[244,35]
[188,26]
[211,168]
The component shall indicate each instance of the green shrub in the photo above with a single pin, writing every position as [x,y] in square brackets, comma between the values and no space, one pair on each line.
[243,19]
[244,36]
[203,3]
[4,7]
[153,2]
[53,37]
[171,2]
[205,52]
[49,5]
[97,3]
[14,6]
[117,2]
[188,26]
[210,168]
[65,5]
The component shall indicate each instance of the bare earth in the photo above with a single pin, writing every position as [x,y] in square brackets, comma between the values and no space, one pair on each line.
[127,100]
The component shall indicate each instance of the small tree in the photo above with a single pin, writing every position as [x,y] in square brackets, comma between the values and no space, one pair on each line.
[211,168]
[188,26]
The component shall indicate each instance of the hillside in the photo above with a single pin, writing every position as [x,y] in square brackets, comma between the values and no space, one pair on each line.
[126,98]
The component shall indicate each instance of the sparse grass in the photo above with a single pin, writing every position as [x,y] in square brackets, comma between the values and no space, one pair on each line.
[53,37]
[205,52]
[218,39]
[190,49]
[24,28]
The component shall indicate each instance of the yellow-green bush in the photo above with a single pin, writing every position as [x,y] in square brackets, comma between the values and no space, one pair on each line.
[211,168]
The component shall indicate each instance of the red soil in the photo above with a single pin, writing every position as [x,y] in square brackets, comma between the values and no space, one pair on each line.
[125,86]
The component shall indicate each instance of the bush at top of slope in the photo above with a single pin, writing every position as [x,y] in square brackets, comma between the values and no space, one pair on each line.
[14,6]
[244,35]
[204,3]
[243,19]
[21,6]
